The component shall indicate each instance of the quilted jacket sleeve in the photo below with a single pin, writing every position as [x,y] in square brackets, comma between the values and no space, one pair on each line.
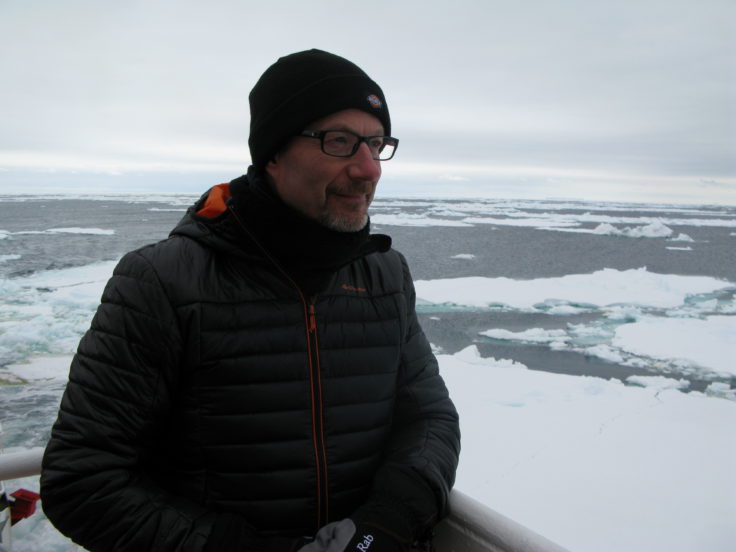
[413,484]
[94,485]
[111,413]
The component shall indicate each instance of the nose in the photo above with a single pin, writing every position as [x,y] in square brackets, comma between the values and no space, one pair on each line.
[362,165]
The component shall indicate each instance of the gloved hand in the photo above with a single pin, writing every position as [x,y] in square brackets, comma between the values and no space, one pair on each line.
[333,537]
[346,536]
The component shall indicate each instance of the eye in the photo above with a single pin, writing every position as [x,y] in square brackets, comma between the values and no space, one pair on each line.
[375,142]
[337,138]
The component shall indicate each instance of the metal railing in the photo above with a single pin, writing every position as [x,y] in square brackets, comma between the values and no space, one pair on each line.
[470,527]
[474,527]
[14,465]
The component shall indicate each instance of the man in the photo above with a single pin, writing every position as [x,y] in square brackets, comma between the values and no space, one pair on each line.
[259,381]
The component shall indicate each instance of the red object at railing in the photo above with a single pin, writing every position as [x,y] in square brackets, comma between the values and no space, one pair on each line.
[23,506]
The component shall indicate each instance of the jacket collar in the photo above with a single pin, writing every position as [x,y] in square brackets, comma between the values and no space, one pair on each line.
[307,251]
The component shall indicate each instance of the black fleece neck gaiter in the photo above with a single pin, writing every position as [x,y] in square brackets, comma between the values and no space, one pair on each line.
[309,252]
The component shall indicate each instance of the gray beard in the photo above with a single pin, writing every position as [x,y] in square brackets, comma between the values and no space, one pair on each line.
[343,224]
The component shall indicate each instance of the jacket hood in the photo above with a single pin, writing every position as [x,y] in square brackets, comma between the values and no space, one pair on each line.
[209,222]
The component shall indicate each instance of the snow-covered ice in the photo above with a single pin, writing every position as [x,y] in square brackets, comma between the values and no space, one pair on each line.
[709,342]
[682,238]
[594,464]
[38,368]
[601,288]
[532,335]
[71,230]
[658,382]
[653,230]
[647,317]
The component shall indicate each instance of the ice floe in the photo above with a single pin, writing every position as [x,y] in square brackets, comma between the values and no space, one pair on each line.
[595,464]
[601,288]
[70,230]
[6,258]
[654,230]
[709,342]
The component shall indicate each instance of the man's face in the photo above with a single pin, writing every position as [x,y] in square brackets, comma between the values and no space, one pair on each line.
[334,191]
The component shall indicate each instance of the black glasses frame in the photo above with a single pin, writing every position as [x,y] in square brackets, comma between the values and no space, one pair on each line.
[320,135]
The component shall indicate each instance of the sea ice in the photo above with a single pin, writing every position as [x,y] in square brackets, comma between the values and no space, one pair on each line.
[709,342]
[604,352]
[6,258]
[602,288]
[76,230]
[532,335]
[653,230]
[593,464]
[47,312]
[682,238]
[70,230]
[658,382]
[404,219]
[41,368]
[721,389]
[566,310]
[622,312]
[544,223]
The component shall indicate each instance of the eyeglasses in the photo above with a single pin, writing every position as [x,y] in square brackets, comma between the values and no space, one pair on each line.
[343,143]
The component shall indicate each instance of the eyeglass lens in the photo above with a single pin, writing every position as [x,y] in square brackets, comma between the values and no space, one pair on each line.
[344,144]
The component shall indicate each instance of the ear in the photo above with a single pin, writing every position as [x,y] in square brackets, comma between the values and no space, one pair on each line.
[272,167]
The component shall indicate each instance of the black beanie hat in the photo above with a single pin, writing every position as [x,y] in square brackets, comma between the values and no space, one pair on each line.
[301,88]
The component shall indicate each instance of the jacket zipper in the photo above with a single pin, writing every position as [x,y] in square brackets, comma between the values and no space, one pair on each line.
[315,385]
[315,382]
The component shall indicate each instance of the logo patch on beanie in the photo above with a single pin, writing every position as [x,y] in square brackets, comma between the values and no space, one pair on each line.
[375,101]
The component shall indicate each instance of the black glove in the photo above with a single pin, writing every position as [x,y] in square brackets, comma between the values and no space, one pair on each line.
[374,538]
[376,528]
[380,527]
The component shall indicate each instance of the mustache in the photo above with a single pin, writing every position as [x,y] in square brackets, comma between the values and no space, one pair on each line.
[354,187]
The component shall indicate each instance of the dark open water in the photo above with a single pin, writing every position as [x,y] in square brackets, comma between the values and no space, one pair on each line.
[517,252]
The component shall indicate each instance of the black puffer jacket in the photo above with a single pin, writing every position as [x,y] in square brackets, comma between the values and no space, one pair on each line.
[211,393]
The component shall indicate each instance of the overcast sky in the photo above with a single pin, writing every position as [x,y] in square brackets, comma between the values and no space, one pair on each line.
[628,100]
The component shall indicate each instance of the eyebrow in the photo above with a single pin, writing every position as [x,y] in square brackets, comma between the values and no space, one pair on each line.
[379,132]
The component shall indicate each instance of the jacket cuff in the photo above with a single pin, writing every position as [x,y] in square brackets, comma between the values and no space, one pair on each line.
[411,506]
[407,512]
[375,518]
